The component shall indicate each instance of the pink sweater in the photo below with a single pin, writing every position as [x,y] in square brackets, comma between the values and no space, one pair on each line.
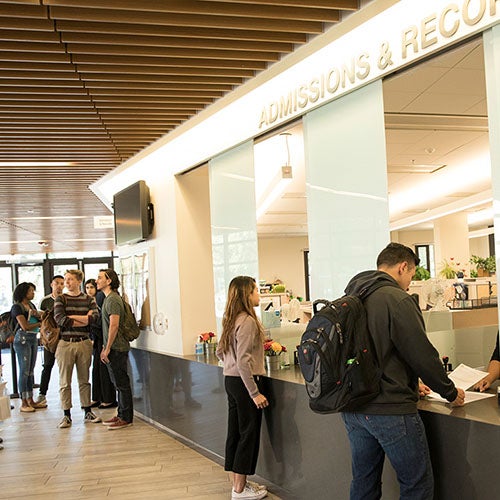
[245,357]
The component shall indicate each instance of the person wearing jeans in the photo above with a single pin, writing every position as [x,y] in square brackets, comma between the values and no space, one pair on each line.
[115,348]
[402,439]
[26,342]
[49,358]
[389,425]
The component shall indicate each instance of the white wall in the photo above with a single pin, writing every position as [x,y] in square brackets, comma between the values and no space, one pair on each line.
[196,275]
[479,246]
[164,267]
[283,258]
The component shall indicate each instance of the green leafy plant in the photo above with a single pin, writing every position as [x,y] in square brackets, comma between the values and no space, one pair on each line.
[487,264]
[421,274]
[448,270]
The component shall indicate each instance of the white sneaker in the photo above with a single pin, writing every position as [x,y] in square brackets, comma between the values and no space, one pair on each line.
[65,422]
[91,418]
[257,486]
[249,493]
[41,400]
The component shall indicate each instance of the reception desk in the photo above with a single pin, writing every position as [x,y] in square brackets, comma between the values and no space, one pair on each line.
[307,455]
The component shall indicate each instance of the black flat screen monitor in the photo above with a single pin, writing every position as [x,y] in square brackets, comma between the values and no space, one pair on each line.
[133,214]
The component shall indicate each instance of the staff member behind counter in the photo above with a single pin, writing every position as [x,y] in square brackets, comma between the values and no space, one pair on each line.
[493,371]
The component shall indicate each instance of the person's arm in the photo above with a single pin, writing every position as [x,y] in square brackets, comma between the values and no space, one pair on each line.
[245,336]
[23,323]
[114,323]
[92,314]
[65,322]
[493,370]
[410,339]
[493,374]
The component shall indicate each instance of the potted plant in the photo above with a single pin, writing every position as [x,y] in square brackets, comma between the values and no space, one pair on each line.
[421,274]
[448,269]
[485,266]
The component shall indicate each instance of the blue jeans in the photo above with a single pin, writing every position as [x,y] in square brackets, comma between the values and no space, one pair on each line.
[118,366]
[26,346]
[400,437]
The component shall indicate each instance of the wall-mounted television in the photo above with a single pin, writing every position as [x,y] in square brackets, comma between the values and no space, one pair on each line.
[133,214]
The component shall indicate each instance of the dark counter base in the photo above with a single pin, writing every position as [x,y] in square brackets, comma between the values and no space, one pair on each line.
[305,454]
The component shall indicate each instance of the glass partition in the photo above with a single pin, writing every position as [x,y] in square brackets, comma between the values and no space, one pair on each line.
[232,210]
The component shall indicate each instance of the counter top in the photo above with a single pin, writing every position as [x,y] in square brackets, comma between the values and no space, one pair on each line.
[486,410]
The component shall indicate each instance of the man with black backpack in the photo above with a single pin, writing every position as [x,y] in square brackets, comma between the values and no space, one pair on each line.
[389,424]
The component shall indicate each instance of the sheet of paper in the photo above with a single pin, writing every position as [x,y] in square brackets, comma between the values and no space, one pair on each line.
[465,377]
[470,396]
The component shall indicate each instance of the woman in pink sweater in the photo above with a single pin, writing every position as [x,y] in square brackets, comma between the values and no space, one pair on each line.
[242,351]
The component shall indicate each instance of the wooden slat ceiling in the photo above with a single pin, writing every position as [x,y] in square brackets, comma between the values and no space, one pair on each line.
[89,83]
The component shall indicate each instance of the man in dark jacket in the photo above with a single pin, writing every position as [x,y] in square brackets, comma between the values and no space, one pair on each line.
[390,424]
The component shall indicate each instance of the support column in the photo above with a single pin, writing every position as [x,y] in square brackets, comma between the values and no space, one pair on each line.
[491,44]
[346,175]
[451,241]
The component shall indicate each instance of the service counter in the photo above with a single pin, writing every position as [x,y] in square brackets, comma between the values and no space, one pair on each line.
[305,454]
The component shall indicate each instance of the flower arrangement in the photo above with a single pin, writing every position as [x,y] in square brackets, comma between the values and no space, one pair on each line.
[273,348]
[450,270]
[206,337]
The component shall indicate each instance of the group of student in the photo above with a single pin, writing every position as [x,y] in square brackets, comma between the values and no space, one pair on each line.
[91,327]
[388,425]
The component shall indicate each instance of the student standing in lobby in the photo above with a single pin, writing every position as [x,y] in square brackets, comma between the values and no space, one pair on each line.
[241,348]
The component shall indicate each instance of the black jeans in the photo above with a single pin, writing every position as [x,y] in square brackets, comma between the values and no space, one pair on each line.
[243,428]
[117,366]
[49,359]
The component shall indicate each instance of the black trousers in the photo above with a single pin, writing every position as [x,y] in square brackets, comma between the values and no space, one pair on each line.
[243,431]
[118,366]
[103,389]
[49,359]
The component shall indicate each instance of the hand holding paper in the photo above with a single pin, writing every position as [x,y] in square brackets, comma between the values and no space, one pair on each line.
[464,377]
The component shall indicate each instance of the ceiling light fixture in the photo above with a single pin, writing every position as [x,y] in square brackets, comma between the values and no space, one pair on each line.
[277,186]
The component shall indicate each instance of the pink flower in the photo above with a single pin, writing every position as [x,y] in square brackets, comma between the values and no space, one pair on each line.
[206,337]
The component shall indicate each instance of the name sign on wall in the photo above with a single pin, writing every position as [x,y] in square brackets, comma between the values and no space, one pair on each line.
[404,33]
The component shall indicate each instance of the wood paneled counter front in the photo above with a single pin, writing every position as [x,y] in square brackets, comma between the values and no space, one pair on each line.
[307,455]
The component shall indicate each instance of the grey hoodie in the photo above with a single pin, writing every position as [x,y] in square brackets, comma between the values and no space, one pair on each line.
[404,352]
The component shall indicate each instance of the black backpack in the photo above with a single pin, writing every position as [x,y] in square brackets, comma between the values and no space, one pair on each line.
[337,358]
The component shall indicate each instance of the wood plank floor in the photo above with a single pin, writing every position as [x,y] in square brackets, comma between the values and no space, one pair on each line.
[41,461]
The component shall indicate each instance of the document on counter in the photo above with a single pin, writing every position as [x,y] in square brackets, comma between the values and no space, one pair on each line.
[470,396]
[465,377]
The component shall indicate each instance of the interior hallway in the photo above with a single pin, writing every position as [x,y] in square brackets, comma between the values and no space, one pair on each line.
[41,461]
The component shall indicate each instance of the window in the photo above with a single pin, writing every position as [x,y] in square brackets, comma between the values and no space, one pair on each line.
[6,288]
[426,255]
